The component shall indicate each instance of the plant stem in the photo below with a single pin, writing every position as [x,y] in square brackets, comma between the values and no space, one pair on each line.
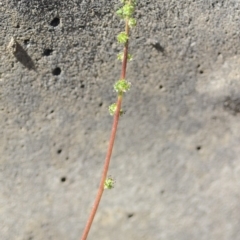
[110,146]
[125,53]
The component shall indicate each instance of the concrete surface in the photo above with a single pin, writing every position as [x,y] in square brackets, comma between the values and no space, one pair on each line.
[176,158]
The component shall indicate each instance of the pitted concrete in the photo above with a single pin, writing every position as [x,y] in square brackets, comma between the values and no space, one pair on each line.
[176,158]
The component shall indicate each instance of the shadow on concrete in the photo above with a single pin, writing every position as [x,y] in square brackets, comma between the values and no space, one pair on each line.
[23,57]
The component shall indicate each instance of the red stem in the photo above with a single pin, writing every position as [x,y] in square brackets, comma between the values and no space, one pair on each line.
[105,170]
[110,146]
[125,54]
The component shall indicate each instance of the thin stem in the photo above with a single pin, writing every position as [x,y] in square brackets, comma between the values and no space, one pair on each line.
[105,169]
[110,146]
[125,53]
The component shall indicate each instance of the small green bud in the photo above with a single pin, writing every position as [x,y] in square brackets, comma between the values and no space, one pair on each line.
[119,12]
[129,57]
[132,22]
[128,10]
[112,109]
[122,37]
[122,86]
[120,56]
[109,183]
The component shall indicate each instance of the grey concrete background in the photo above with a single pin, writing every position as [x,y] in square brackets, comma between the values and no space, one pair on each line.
[176,158]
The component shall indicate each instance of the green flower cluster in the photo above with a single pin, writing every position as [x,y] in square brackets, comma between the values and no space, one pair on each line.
[122,86]
[120,56]
[122,37]
[127,10]
[112,109]
[109,183]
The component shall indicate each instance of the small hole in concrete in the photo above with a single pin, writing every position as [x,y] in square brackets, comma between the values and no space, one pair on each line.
[130,215]
[63,179]
[26,41]
[18,26]
[55,22]
[161,87]
[52,111]
[198,148]
[100,104]
[56,71]
[201,71]
[59,151]
[82,85]
[47,52]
